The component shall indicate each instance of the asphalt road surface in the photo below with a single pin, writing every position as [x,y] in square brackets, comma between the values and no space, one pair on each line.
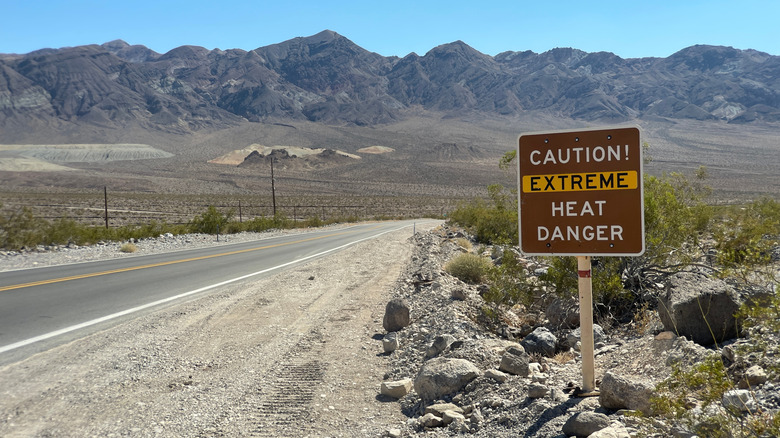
[44,307]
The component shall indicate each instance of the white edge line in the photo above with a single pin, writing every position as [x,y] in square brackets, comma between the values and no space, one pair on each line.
[85,324]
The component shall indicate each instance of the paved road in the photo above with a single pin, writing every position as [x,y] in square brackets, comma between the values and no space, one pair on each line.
[44,307]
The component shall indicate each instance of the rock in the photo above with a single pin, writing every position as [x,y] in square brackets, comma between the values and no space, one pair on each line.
[515,361]
[619,392]
[614,430]
[537,390]
[699,307]
[442,376]
[753,377]
[459,294]
[458,425]
[686,352]
[728,353]
[393,433]
[583,424]
[476,417]
[663,341]
[739,401]
[574,336]
[440,343]
[450,416]
[439,409]
[396,315]
[396,389]
[430,420]
[539,378]
[535,368]
[540,341]
[563,312]
[497,375]
[390,342]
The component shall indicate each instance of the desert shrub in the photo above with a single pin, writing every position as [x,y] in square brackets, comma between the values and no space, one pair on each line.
[467,267]
[128,247]
[675,218]
[757,317]
[21,229]
[312,222]
[745,239]
[614,302]
[463,243]
[707,382]
[494,223]
[260,224]
[63,231]
[212,221]
[507,282]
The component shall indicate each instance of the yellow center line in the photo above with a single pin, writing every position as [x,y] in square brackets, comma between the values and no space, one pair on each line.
[172,262]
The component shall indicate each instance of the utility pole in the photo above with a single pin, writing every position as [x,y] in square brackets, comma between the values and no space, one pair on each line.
[273,188]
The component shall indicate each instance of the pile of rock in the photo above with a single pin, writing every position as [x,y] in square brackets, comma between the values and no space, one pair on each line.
[451,375]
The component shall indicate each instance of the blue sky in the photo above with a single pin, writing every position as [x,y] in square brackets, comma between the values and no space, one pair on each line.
[627,28]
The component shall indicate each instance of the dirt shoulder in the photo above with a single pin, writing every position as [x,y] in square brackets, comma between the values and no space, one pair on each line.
[296,354]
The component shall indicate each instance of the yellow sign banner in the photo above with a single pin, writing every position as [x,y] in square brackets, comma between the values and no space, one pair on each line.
[581,182]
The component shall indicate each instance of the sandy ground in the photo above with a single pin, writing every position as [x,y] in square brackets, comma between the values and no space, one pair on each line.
[297,354]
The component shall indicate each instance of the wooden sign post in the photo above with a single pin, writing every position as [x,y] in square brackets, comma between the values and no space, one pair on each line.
[580,194]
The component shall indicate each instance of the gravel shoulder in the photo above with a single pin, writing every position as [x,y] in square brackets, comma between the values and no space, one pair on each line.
[295,354]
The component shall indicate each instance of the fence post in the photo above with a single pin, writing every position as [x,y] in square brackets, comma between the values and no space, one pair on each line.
[105,203]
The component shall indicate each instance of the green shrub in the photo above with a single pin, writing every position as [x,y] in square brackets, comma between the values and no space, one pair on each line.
[508,283]
[496,223]
[21,229]
[469,268]
[745,239]
[675,218]
[312,222]
[211,221]
[706,382]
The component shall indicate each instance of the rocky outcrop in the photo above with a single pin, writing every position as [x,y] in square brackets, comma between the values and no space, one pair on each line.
[700,308]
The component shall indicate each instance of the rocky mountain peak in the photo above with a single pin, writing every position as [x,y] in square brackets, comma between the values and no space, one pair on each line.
[130,53]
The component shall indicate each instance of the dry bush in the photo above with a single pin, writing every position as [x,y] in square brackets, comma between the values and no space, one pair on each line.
[128,247]
[467,267]
[463,243]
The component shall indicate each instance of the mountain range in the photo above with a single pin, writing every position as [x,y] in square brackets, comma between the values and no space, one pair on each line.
[326,78]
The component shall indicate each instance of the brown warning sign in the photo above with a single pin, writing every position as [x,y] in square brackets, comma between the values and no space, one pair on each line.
[580,193]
